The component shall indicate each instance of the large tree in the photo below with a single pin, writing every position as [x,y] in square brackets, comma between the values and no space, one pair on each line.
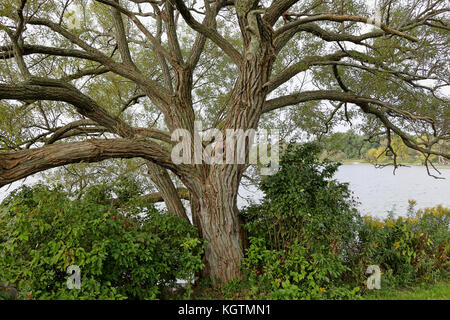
[72,72]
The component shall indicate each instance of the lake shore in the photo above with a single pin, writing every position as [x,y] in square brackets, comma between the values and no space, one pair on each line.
[406,164]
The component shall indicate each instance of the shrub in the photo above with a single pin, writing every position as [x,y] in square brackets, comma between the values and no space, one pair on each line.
[303,231]
[408,249]
[307,241]
[129,250]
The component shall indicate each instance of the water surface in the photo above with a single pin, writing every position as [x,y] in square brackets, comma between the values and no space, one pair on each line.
[378,190]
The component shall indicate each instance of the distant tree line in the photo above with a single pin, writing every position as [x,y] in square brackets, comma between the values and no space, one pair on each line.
[350,145]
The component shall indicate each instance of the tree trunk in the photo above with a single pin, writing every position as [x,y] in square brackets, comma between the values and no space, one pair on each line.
[195,212]
[220,224]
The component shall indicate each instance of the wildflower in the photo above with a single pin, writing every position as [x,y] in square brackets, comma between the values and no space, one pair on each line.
[278,282]
[389,223]
[397,244]
[439,211]
[323,289]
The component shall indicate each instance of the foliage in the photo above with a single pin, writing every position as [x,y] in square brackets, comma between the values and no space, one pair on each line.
[7,292]
[124,251]
[346,145]
[306,241]
[353,146]
[408,249]
[129,75]
[302,231]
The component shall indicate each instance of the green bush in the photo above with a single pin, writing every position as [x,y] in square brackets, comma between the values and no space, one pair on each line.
[308,242]
[126,250]
[303,231]
[408,249]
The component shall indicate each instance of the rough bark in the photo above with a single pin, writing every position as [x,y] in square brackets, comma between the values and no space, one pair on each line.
[221,226]
[21,164]
[195,213]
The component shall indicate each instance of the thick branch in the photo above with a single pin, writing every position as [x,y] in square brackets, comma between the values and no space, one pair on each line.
[167,190]
[282,38]
[276,9]
[121,37]
[6,52]
[301,66]
[46,89]
[365,103]
[336,96]
[17,165]
[60,132]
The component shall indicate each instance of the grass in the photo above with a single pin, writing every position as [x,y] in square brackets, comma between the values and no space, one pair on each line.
[437,291]
[425,291]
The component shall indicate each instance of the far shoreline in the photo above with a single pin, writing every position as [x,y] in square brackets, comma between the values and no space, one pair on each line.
[357,161]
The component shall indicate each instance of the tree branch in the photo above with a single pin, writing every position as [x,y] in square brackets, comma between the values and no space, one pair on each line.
[167,190]
[153,88]
[121,37]
[55,90]
[365,103]
[301,66]
[336,18]
[17,165]
[276,9]
[209,32]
